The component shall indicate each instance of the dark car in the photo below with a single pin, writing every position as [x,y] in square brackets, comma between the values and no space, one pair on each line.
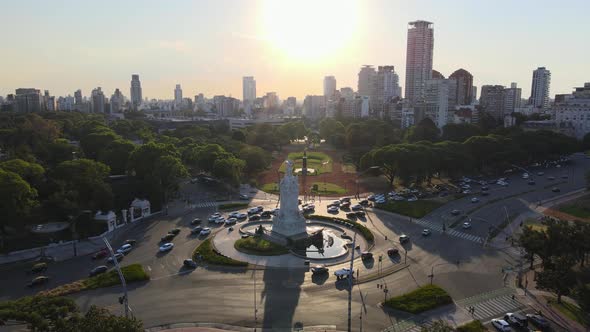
[39,267]
[360,213]
[404,239]
[484,188]
[118,256]
[130,241]
[455,212]
[516,319]
[364,202]
[189,263]
[174,231]
[485,193]
[555,190]
[100,254]
[254,217]
[266,214]
[351,215]
[367,255]
[196,221]
[319,269]
[244,197]
[38,281]
[168,237]
[531,182]
[392,252]
[196,230]
[98,270]
[538,321]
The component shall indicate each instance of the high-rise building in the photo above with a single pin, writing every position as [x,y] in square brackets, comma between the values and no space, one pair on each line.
[271,100]
[572,112]
[314,107]
[464,95]
[365,81]
[347,93]
[78,97]
[540,88]
[226,106]
[511,99]
[135,91]
[437,75]
[65,103]
[48,102]
[491,100]
[384,88]
[248,89]
[97,101]
[418,59]
[329,87]
[178,95]
[117,101]
[28,100]
[439,98]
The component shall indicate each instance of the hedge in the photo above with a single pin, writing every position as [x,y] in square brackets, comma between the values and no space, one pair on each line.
[473,326]
[212,256]
[233,206]
[422,299]
[367,234]
[256,245]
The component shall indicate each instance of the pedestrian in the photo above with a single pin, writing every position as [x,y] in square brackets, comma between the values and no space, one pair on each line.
[512,297]
[385,237]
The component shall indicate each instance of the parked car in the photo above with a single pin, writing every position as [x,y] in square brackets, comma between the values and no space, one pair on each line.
[100,254]
[242,215]
[392,252]
[196,221]
[404,238]
[336,203]
[485,188]
[351,215]
[426,232]
[213,217]
[555,190]
[501,325]
[345,199]
[174,231]
[466,225]
[130,241]
[540,173]
[516,319]
[538,321]
[37,281]
[205,231]
[364,202]
[189,263]
[474,200]
[196,230]
[166,247]
[371,198]
[551,178]
[39,267]
[360,213]
[455,212]
[333,209]
[118,256]
[343,273]
[485,193]
[125,249]
[233,214]
[266,214]
[231,221]
[244,197]
[366,255]
[220,220]
[167,238]
[254,217]
[345,205]
[98,270]
[319,269]
[412,199]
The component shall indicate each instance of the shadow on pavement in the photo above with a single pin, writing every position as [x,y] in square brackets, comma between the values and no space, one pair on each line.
[281,289]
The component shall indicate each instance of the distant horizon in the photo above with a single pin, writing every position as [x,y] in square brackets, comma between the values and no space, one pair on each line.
[208,46]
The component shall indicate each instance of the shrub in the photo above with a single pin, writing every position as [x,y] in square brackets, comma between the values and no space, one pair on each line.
[367,234]
[420,300]
[259,246]
[211,256]
[233,206]
[473,326]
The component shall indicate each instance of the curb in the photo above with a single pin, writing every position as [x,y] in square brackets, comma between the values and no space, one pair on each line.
[226,327]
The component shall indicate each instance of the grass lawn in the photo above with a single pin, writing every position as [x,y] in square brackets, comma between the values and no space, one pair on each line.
[258,246]
[422,299]
[417,209]
[473,326]
[132,273]
[348,168]
[321,162]
[212,256]
[327,188]
[535,224]
[578,208]
[272,188]
[233,206]
[570,311]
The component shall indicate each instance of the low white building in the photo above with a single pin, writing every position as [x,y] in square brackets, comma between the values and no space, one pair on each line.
[572,112]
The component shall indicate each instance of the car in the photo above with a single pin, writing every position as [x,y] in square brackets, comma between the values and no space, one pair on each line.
[404,238]
[174,231]
[100,254]
[474,200]
[220,220]
[167,238]
[125,249]
[319,269]
[196,230]
[371,198]
[392,252]
[253,210]
[275,212]
[254,217]
[455,212]
[266,214]
[365,255]
[118,256]
[307,209]
[233,214]
[189,263]
[40,280]
[241,216]
[538,320]
[231,221]
[309,206]
[260,208]
[343,273]
[551,178]
[345,199]
[360,213]
[425,232]
[555,190]
[336,203]
[466,225]
[345,236]
[380,201]
[244,197]
[485,193]
[540,173]
[485,188]
[351,215]
[166,247]
[196,221]
[39,267]
[345,205]
[364,202]
[130,241]
[516,319]
[205,231]
[501,325]
[333,209]
[98,270]
[466,192]
[412,199]
[531,182]
[212,218]
[558,166]
[525,175]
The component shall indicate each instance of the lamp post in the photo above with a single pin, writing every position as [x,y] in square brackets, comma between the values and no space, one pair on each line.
[431,276]
[125,299]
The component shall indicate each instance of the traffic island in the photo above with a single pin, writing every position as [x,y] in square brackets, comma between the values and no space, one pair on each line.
[205,252]
[473,326]
[420,300]
[256,245]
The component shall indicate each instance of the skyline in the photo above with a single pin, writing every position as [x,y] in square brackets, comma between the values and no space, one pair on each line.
[186,48]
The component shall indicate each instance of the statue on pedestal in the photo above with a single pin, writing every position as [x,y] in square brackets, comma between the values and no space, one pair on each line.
[289,222]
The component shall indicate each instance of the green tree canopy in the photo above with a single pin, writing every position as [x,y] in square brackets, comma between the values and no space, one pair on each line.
[17,197]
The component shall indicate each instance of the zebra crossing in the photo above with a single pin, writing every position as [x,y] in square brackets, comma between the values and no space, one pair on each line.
[451,232]
[492,304]
[204,205]
[406,326]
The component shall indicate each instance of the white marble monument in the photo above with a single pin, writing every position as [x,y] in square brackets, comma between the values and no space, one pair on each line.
[290,221]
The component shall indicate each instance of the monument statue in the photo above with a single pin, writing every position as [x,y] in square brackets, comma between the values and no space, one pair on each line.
[289,222]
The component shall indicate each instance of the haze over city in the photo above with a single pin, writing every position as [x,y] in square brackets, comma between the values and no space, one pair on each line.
[289,46]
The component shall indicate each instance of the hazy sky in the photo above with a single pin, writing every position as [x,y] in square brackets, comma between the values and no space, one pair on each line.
[289,46]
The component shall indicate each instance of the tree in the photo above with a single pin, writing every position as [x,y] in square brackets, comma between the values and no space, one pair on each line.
[533,243]
[438,326]
[95,142]
[238,135]
[116,155]
[425,130]
[168,171]
[559,279]
[17,198]
[256,159]
[460,132]
[31,172]
[229,169]
[586,142]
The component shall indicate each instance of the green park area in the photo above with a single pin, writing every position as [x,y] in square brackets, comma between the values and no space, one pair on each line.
[570,310]
[417,209]
[256,245]
[209,254]
[473,326]
[422,299]
[578,208]
[327,188]
[319,161]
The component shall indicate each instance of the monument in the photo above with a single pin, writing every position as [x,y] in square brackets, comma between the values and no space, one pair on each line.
[289,222]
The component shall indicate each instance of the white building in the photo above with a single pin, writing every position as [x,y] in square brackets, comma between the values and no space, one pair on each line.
[135,92]
[540,88]
[572,112]
[117,101]
[365,80]
[439,96]
[511,99]
[418,59]
[384,88]
[65,103]
[329,87]
[407,117]
[248,89]
[178,95]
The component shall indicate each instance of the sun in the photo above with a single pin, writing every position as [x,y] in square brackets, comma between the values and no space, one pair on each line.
[309,29]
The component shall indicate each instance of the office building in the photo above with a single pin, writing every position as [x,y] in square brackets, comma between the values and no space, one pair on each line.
[271,100]
[347,93]
[226,106]
[48,102]
[28,100]
[365,80]
[356,108]
[540,88]
[136,96]
[117,102]
[78,97]
[464,93]
[439,98]
[384,88]
[511,99]
[178,95]
[65,103]
[97,101]
[329,87]
[491,100]
[248,89]
[572,112]
[314,107]
[418,59]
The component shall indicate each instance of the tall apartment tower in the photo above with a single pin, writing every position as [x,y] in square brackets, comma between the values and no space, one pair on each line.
[248,89]
[178,94]
[97,101]
[491,100]
[540,88]
[329,87]
[464,95]
[511,98]
[365,81]
[78,97]
[135,91]
[418,59]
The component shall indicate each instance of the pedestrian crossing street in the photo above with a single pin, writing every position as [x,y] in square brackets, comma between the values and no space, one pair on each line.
[204,205]
[492,304]
[406,326]
[437,227]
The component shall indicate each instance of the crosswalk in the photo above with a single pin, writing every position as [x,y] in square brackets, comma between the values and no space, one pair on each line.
[437,227]
[492,304]
[406,326]
[204,205]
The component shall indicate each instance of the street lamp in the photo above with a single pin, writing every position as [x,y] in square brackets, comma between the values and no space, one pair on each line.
[433,266]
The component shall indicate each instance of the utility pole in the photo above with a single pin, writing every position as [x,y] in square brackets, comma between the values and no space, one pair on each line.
[255,306]
[350,284]
[125,297]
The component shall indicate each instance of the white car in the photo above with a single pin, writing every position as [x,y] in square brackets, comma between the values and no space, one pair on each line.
[343,272]
[333,209]
[253,210]
[220,220]
[241,216]
[126,248]
[336,202]
[233,214]
[466,192]
[166,247]
[380,201]
[474,200]
[205,231]
[501,325]
[356,207]
[466,225]
[426,232]
[525,176]
[412,199]
[214,217]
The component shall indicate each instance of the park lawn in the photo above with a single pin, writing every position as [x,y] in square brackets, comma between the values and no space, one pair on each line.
[348,168]
[272,188]
[535,224]
[132,273]
[473,326]
[319,161]
[578,208]
[256,245]
[419,300]
[212,256]
[417,209]
[328,188]
[233,206]
[569,310]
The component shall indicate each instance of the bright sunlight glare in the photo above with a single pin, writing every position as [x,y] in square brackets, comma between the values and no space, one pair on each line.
[309,29]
